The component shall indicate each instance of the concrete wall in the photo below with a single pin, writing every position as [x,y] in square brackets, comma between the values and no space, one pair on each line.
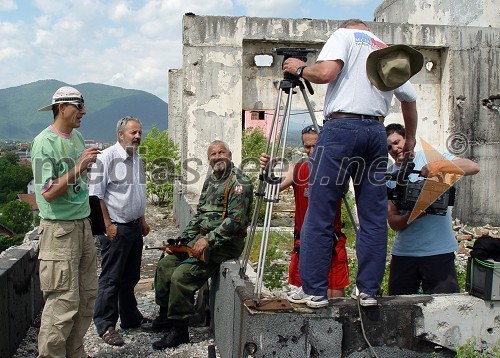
[401,326]
[220,79]
[482,13]
[20,295]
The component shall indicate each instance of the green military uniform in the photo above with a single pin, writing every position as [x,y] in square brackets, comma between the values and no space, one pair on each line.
[222,217]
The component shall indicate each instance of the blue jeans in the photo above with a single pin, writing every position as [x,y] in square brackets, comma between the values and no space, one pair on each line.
[346,148]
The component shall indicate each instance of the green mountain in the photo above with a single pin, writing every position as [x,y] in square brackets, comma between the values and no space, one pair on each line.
[105,105]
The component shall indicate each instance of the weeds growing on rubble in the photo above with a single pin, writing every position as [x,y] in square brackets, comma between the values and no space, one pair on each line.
[474,348]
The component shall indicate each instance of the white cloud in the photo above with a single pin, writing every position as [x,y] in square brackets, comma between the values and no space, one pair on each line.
[7,5]
[350,3]
[128,43]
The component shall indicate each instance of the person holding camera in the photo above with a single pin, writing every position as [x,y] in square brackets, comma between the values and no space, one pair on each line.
[424,250]
[353,144]
[297,177]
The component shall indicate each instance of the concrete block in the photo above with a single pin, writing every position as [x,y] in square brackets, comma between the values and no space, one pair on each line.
[450,320]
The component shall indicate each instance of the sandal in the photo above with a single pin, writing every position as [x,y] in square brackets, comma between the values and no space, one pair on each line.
[112,337]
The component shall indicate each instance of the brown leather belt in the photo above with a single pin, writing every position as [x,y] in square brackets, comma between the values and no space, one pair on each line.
[336,115]
[203,232]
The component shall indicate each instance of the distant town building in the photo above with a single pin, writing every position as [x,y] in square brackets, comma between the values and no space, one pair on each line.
[30,186]
[23,147]
[31,200]
[260,118]
[5,231]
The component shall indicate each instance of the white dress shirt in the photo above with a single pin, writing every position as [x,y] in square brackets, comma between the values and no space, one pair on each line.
[119,179]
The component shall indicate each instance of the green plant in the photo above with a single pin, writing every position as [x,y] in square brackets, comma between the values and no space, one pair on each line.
[161,158]
[6,242]
[275,269]
[13,177]
[461,275]
[253,143]
[276,265]
[474,349]
[17,216]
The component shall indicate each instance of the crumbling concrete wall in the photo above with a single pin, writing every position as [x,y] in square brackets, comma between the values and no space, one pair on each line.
[471,70]
[401,326]
[220,79]
[481,13]
[20,295]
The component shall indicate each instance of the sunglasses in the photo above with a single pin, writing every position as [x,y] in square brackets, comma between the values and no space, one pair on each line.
[79,105]
[310,129]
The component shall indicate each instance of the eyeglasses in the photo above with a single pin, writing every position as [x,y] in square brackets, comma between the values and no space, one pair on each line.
[311,128]
[79,105]
[124,120]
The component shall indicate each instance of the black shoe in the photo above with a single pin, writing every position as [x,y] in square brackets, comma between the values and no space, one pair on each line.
[157,325]
[174,337]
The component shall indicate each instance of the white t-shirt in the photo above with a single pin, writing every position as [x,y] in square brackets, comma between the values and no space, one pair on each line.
[352,91]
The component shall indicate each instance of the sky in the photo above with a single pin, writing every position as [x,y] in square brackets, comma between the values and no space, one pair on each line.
[126,43]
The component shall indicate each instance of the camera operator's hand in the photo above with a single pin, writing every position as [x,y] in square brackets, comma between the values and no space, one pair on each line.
[439,168]
[424,172]
[291,65]
[399,221]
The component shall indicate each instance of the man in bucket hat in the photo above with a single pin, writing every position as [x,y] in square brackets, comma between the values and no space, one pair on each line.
[351,144]
[68,260]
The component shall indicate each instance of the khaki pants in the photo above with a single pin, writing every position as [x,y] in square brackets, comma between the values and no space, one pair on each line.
[68,279]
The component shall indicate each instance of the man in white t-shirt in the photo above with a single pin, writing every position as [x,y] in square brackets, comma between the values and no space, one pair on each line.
[353,144]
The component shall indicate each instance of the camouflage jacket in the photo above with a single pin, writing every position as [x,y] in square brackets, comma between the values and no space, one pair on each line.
[225,235]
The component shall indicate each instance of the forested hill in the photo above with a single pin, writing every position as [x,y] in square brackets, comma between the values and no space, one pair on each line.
[20,120]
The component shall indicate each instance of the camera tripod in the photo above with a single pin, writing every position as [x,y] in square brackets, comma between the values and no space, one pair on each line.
[269,185]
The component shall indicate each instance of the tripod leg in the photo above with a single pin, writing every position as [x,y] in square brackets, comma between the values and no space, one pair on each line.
[270,150]
[309,107]
[272,187]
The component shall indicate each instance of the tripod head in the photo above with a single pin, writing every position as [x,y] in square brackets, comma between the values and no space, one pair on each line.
[298,53]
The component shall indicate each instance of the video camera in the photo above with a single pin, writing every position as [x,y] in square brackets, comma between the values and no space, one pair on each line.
[294,52]
[405,194]
[298,53]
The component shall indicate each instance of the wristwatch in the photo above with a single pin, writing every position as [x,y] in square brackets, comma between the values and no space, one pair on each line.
[299,71]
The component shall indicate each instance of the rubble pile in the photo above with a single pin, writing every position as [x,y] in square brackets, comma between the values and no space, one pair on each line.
[466,235]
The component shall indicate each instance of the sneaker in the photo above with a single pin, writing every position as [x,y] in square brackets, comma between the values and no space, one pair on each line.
[365,300]
[298,296]
[293,291]
[316,301]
